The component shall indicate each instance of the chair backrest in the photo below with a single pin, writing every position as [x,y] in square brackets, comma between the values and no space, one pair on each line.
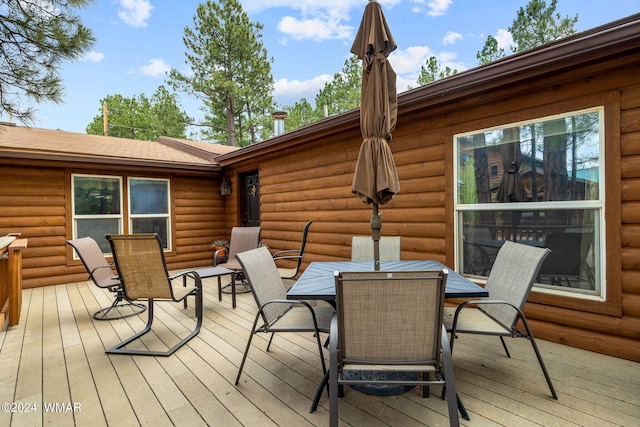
[140,263]
[303,243]
[362,248]
[266,285]
[100,271]
[511,278]
[243,239]
[390,317]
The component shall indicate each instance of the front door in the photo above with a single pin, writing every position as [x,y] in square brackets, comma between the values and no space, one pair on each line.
[251,199]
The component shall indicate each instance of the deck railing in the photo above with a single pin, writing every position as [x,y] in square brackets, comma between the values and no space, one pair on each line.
[10,279]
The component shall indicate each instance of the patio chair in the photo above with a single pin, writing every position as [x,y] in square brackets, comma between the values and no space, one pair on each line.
[242,239]
[288,275]
[362,248]
[390,323]
[277,313]
[509,284]
[103,275]
[140,263]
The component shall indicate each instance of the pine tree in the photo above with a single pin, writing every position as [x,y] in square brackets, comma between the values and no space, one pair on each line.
[36,36]
[229,70]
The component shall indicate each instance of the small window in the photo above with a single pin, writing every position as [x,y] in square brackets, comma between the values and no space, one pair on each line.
[97,202]
[149,208]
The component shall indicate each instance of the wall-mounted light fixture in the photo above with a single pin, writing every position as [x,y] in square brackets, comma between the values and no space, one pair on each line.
[225,187]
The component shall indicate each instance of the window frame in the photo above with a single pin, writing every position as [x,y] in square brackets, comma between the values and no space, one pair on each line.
[611,304]
[74,217]
[131,216]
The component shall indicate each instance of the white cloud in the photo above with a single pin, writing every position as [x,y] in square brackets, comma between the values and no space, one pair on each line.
[439,7]
[315,29]
[318,19]
[93,56]
[135,12]
[504,39]
[410,59]
[451,37]
[290,91]
[156,67]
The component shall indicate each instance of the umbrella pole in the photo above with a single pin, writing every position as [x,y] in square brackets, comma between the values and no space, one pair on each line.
[376,225]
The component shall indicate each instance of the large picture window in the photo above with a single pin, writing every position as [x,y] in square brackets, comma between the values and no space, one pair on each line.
[97,207]
[149,207]
[539,183]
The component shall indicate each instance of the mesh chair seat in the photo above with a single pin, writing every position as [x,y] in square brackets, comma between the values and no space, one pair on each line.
[139,260]
[103,275]
[509,284]
[276,312]
[390,322]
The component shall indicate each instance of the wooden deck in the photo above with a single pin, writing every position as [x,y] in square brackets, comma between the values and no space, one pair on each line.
[56,355]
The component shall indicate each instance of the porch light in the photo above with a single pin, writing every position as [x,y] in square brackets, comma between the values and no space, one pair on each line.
[225,187]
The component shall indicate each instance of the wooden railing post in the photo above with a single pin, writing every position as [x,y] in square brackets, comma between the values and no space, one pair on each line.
[15,280]
[11,279]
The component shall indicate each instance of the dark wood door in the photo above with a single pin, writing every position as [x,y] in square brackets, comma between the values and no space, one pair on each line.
[251,199]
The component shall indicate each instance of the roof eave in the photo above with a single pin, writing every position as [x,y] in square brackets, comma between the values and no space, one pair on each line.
[85,161]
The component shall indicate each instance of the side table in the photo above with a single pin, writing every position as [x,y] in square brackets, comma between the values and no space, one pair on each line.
[218,272]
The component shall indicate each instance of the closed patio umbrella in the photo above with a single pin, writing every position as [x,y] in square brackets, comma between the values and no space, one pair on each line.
[375,180]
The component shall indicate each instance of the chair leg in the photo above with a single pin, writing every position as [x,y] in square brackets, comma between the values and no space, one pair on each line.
[316,399]
[333,386]
[453,401]
[246,351]
[270,339]
[539,356]
[103,313]
[119,349]
[504,345]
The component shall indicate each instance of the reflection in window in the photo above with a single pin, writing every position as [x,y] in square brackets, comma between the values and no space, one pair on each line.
[97,207]
[149,207]
[538,183]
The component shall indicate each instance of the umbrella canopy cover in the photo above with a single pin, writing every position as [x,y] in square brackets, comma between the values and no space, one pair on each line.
[375,179]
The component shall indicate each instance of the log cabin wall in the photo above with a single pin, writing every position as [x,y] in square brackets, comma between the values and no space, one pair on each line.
[311,180]
[36,203]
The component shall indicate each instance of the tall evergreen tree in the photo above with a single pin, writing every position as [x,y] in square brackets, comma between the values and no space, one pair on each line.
[229,70]
[36,36]
[536,24]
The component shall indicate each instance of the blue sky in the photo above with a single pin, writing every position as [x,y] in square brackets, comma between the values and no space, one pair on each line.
[138,41]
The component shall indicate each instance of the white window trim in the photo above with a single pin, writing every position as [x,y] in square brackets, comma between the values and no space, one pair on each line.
[591,204]
[167,216]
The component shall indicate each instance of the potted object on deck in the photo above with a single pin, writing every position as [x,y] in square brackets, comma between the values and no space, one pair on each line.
[220,245]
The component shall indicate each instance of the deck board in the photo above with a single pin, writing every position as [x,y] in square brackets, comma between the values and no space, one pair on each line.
[56,355]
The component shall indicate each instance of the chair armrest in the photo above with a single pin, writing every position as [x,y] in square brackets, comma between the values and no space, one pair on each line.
[333,335]
[112,267]
[454,325]
[287,257]
[191,273]
[286,252]
[217,258]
